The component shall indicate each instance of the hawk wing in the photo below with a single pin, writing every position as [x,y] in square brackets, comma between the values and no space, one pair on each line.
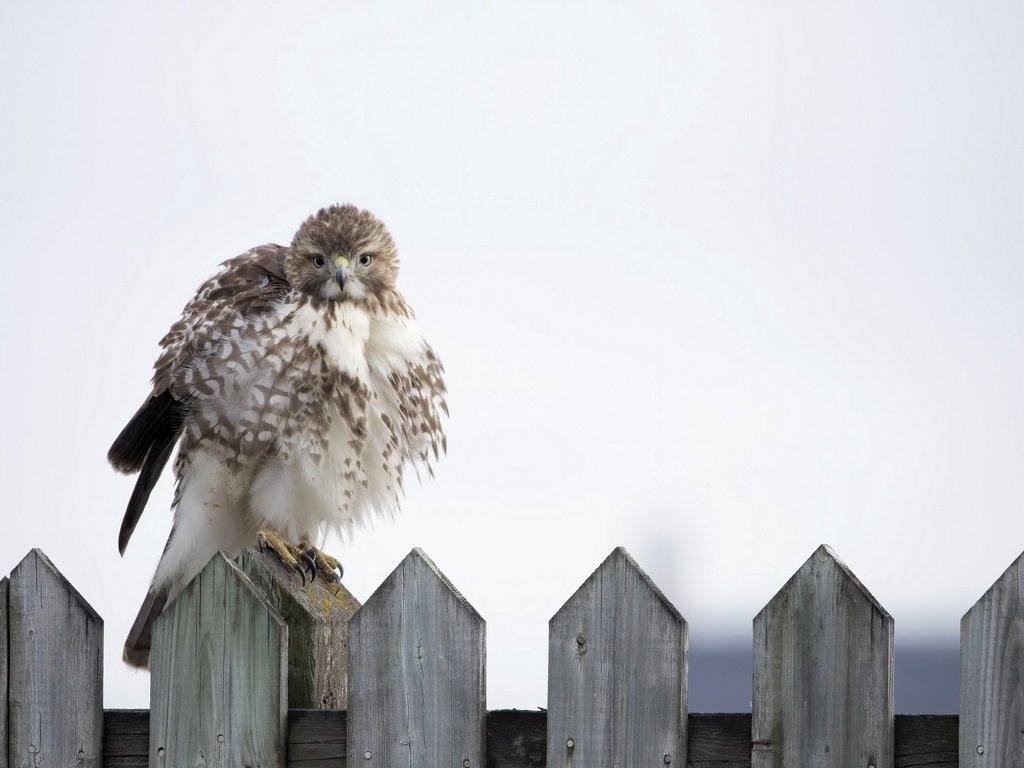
[247,286]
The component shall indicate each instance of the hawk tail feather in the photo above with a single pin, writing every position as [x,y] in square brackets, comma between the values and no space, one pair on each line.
[158,415]
[140,637]
[155,462]
[144,446]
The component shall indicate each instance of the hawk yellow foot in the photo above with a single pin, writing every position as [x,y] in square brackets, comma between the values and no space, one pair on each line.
[287,553]
[299,557]
[320,562]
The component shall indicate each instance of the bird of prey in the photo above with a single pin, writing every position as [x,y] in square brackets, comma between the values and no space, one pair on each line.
[299,387]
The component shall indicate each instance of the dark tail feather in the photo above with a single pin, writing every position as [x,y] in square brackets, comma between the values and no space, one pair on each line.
[151,470]
[145,444]
[158,415]
[140,637]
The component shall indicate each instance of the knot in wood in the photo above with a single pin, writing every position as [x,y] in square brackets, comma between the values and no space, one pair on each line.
[581,646]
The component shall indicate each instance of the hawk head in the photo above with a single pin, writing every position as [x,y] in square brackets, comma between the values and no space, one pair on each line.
[342,253]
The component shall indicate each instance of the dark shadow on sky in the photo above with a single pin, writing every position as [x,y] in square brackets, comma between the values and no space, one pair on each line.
[927,678]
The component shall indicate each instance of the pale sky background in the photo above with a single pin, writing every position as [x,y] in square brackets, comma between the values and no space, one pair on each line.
[715,280]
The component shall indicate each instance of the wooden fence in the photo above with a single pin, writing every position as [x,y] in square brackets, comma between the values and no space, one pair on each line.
[252,669]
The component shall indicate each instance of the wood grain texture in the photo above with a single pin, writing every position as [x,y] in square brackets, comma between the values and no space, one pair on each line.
[617,673]
[921,741]
[516,739]
[126,738]
[317,613]
[719,741]
[218,675]
[3,672]
[926,741]
[316,738]
[823,656]
[992,675]
[416,673]
[55,677]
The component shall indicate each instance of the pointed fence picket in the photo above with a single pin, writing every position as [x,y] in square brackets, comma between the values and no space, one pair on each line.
[218,675]
[3,671]
[617,673]
[992,675]
[416,659]
[229,688]
[317,613]
[823,690]
[55,670]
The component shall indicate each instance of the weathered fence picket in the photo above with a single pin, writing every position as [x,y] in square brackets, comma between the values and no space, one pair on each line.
[823,673]
[617,673]
[416,674]
[992,675]
[223,671]
[218,675]
[317,613]
[55,670]
[3,671]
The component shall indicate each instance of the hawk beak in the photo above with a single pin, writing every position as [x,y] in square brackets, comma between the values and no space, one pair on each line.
[341,271]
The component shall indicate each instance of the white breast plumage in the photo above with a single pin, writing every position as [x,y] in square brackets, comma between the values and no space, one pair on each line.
[358,470]
[343,336]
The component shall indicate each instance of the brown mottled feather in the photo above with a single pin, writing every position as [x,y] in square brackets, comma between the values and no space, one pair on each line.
[247,285]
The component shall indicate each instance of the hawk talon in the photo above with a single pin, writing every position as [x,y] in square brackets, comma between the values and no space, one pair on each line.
[334,575]
[288,554]
[330,568]
[309,557]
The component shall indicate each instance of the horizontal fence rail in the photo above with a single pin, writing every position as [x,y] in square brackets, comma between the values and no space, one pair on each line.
[518,739]
[251,668]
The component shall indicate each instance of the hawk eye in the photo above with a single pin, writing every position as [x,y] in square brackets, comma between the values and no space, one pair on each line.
[366,259]
[318,261]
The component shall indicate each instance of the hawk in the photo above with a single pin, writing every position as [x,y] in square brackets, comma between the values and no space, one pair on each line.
[299,389]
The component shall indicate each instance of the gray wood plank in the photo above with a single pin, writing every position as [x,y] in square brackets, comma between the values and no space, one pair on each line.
[55,677]
[317,613]
[316,738]
[719,741]
[3,671]
[126,738]
[416,672]
[617,673]
[992,675]
[218,675]
[516,739]
[723,741]
[926,741]
[823,670]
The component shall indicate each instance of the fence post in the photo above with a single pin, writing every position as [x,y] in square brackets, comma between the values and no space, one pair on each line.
[317,613]
[55,670]
[992,675]
[416,672]
[218,675]
[617,673]
[823,660]
[3,671]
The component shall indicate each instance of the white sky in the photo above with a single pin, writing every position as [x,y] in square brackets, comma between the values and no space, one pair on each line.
[717,281]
